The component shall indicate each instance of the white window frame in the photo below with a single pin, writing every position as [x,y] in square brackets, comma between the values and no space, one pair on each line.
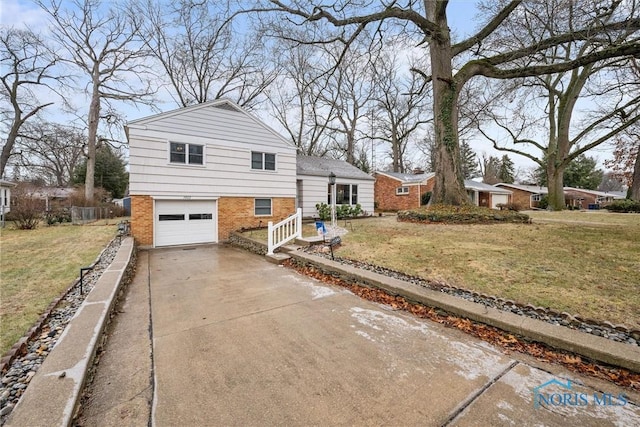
[536,197]
[255,206]
[186,154]
[402,191]
[263,162]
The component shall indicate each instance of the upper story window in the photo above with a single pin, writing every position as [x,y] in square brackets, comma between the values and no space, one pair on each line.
[402,190]
[263,161]
[188,154]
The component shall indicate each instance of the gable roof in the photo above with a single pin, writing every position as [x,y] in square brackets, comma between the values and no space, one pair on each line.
[533,189]
[613,194]
[323,166]
[222,103]
[408,178]
[487,188]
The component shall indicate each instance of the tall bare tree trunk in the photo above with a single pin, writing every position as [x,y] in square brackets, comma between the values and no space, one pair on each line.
[635,183]
[555,178]
[449,182]
[94,116]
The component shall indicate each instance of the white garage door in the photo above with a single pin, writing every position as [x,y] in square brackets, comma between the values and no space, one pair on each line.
[183,222]
[496,199]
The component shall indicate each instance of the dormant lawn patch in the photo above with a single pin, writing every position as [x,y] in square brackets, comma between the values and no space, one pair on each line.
[38,265]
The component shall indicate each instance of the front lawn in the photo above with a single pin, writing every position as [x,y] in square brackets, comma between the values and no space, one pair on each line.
[580,262]
[38,265]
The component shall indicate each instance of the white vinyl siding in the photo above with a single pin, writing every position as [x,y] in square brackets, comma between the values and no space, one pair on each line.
[315,189]
[228,138]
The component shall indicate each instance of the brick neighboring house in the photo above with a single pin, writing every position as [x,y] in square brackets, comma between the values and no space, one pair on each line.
[589,199]
[529,196]
[525,196]
[395,191]
[399,191]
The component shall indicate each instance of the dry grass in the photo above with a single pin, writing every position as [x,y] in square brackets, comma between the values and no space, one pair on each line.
[38,265]
[585,263]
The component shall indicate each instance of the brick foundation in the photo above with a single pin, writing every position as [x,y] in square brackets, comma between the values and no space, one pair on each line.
[237,212]
[142,220]
[234,213]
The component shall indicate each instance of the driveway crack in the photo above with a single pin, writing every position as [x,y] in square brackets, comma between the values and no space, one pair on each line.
[474,396]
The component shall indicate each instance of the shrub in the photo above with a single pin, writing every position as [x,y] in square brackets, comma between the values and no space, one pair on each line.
[342,211]
[424,199]
[508,207]
[544,202]
[462,215]
[626,205]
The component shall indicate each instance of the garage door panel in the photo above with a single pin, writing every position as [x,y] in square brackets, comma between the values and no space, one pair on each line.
[497,199]
[185,222]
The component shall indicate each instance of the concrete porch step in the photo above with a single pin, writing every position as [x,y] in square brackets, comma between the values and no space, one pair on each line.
[277,258]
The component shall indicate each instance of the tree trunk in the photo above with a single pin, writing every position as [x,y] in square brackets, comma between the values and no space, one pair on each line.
[449,183]
[8,146]
[94,116]
[635,182]
[555,178]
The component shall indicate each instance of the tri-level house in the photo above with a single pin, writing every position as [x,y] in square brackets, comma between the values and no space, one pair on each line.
[198,173]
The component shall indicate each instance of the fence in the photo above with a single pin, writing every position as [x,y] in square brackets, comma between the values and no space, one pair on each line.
[82,215]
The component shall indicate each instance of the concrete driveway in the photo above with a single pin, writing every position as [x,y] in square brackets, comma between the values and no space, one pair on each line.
[240,341]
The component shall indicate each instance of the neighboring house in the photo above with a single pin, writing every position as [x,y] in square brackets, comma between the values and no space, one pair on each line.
[5,198]
[588,199]
[529,196]
[200,172]
[398,191]
[525,196]
[395,191]
[52,196]
[353,186]
[486,195]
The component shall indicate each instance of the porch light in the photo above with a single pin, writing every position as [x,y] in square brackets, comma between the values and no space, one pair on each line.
[332,178]
[332,182]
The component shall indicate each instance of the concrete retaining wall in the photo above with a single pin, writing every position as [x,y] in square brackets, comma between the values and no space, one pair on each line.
[54,392]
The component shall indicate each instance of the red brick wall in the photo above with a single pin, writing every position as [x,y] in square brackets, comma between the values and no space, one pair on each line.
[142,219]
[237,212]
[233,214]
[387,199]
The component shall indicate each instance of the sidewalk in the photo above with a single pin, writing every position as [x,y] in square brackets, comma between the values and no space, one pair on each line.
[240,341]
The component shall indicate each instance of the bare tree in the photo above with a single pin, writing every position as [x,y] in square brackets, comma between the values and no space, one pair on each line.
[203,55]
[347,95]
[26,64]
[298,100]
[103,42]
[52,151]
[428,22]
[607,85]
[400,104]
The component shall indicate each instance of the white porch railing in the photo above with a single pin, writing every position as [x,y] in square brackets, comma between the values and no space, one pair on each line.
[284,231]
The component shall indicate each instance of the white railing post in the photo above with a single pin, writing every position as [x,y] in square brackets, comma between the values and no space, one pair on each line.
[284,231]
[270,247]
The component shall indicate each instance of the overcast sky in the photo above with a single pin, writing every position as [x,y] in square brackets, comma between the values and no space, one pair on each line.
[461,14]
